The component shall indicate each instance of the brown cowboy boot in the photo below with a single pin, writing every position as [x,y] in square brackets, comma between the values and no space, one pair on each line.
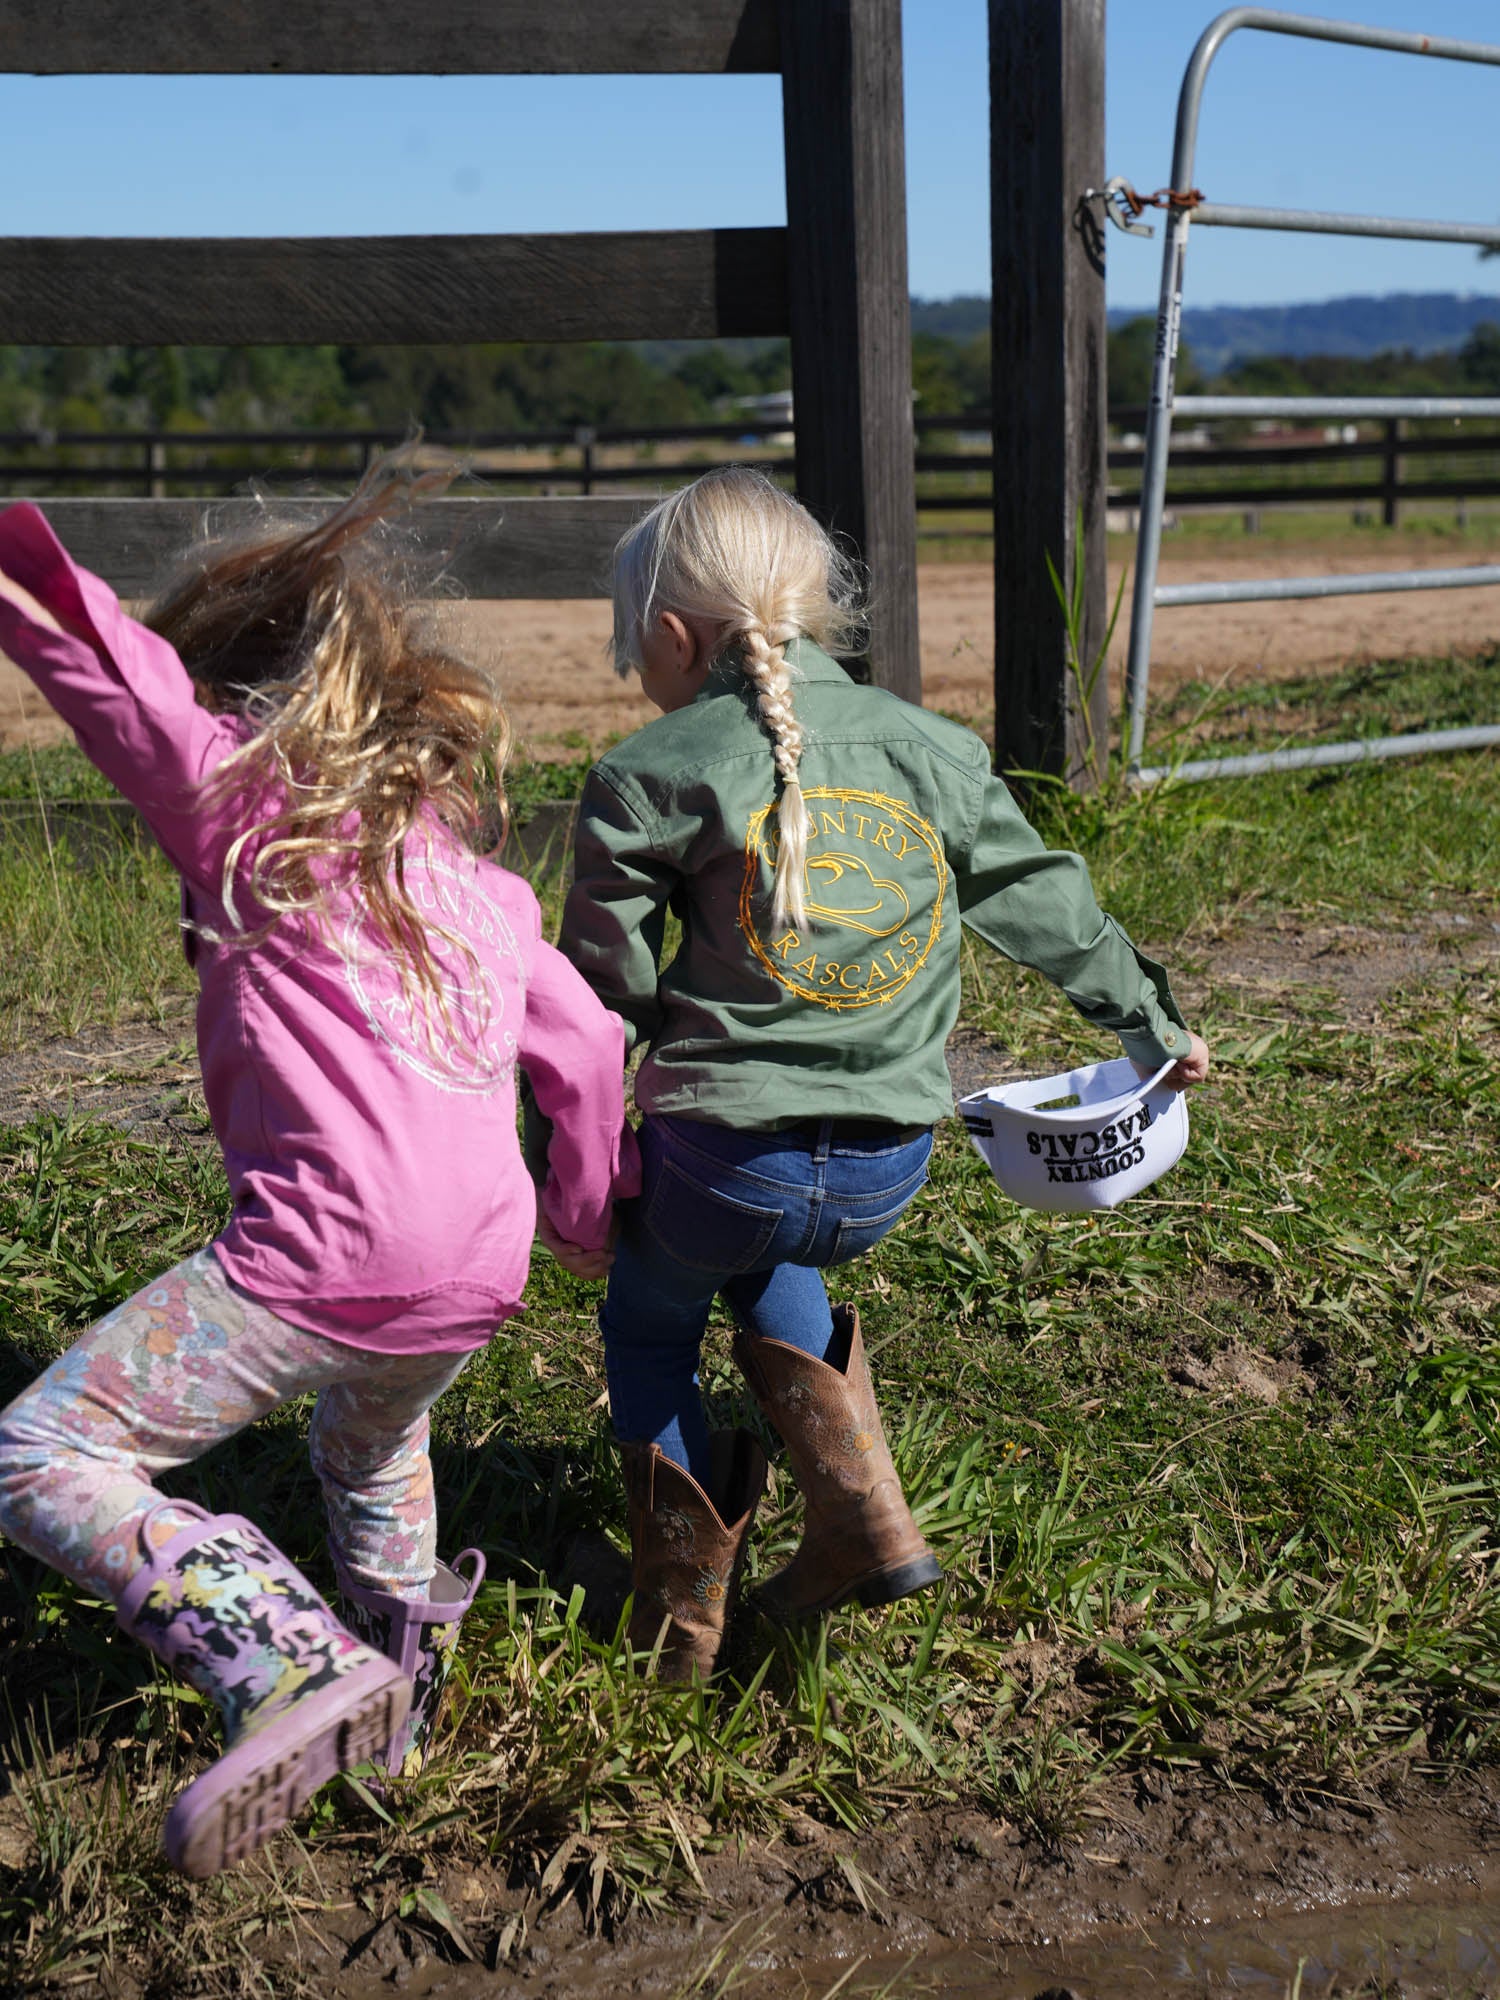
[687,1548]
[859,1539]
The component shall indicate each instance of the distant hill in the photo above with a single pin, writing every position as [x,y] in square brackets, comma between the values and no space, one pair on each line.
[1355,327]
[1426,322]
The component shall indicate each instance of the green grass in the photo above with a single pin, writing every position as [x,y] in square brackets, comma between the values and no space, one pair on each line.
[61,771]
[91,934]
[54,771]
[86,945]
[1213,1477]
[1377,843]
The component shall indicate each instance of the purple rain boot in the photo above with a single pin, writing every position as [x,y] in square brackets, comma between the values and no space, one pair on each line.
[419,1635]
[301,1697]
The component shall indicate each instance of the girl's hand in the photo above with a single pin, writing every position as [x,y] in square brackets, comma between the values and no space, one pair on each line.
[1193,1067]
[573,1256]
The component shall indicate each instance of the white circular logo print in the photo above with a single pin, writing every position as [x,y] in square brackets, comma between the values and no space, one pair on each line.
[460,1043]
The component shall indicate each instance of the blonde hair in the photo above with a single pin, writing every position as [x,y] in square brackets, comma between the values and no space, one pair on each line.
[364,723]
[734,551]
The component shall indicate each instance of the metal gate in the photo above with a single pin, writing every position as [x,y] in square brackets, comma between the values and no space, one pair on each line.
[1183,203]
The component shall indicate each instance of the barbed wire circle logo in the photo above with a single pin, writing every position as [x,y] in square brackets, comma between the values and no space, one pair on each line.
[875,881]
[462,1044]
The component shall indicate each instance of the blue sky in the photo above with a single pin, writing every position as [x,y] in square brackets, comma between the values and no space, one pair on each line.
[1285,122]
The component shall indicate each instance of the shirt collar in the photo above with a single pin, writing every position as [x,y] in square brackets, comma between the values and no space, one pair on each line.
[807,661]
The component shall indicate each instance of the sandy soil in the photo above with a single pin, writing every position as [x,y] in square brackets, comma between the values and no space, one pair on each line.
[564,697]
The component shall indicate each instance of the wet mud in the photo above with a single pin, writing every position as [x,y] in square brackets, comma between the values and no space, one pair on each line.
[1172,1891]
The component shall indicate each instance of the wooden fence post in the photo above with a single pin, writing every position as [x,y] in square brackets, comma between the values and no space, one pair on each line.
[583,437]
[1049,389]
[1390,472]
[848,303]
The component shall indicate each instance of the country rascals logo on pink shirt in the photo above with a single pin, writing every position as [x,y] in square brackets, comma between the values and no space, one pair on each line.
[874,886]
[463,1044]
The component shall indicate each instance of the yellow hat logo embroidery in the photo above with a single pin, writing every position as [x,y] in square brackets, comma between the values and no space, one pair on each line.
[875,880]
[842,889]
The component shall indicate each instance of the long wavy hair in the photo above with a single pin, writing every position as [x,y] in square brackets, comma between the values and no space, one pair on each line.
[363,724]
[735,550]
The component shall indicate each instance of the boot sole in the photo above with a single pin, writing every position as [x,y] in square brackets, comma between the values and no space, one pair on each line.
[256,1788]
[903,1581]
[884,1587]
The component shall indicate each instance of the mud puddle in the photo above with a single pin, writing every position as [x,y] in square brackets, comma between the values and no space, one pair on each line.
[1445,1953]
[1184,1891]
[1401,1952]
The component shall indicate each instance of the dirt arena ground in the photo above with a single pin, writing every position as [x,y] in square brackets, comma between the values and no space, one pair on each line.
[564,697]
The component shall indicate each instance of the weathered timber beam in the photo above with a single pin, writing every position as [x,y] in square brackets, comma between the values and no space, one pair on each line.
[489,548]
[353,37]
[690,284]
[1048,337]
[850,313]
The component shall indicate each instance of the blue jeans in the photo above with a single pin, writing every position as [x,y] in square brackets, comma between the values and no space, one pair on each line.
[752,1215]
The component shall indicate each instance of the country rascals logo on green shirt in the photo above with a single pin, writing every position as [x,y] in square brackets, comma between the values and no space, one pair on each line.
[875,879]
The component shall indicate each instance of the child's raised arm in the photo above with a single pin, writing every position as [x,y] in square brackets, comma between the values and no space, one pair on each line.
[122,690]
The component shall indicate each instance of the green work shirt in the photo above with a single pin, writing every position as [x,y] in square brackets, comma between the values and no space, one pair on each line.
[846,1015]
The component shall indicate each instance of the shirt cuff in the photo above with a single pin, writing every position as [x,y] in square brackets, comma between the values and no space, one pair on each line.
[1163,1036]
[1153,1049]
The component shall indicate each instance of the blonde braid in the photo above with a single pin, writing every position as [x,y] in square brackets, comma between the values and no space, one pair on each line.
[766,669]
[735,553]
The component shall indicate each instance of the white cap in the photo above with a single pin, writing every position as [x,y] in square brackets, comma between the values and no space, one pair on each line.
[1086,1139]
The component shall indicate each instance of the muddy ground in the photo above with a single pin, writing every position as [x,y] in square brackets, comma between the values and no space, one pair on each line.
[563,695]
[1170,1891]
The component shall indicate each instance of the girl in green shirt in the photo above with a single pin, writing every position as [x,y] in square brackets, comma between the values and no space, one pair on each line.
[818,842]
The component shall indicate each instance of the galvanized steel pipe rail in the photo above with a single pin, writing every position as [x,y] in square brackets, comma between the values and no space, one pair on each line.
[1181,209]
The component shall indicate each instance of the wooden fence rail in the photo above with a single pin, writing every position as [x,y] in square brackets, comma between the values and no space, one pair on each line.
[581,459]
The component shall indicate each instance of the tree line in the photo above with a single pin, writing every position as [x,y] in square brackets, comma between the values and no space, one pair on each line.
[470,388]
[500,388]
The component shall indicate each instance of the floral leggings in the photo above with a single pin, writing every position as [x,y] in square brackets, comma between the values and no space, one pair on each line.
[187,1362]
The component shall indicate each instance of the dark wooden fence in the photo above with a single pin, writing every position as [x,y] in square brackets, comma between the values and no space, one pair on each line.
[834,280]
[1385,466]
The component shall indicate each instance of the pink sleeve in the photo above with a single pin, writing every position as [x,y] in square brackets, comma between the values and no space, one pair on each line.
[122,690]
[573,1052]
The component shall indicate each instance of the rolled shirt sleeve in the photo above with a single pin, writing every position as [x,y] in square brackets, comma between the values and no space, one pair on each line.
[1037,906]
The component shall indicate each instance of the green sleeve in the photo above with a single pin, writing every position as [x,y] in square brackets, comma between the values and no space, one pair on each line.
[1038,907]
[615,915]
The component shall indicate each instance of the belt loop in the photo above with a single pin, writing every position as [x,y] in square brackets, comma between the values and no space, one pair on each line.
[822,1143]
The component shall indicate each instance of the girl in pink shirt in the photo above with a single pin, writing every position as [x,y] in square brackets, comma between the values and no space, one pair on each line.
[310,762]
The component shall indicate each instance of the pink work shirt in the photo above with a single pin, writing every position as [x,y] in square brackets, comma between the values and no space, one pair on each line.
[370,1143]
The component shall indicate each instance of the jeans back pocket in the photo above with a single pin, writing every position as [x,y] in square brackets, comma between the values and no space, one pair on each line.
[706,1228]
[857,1233]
